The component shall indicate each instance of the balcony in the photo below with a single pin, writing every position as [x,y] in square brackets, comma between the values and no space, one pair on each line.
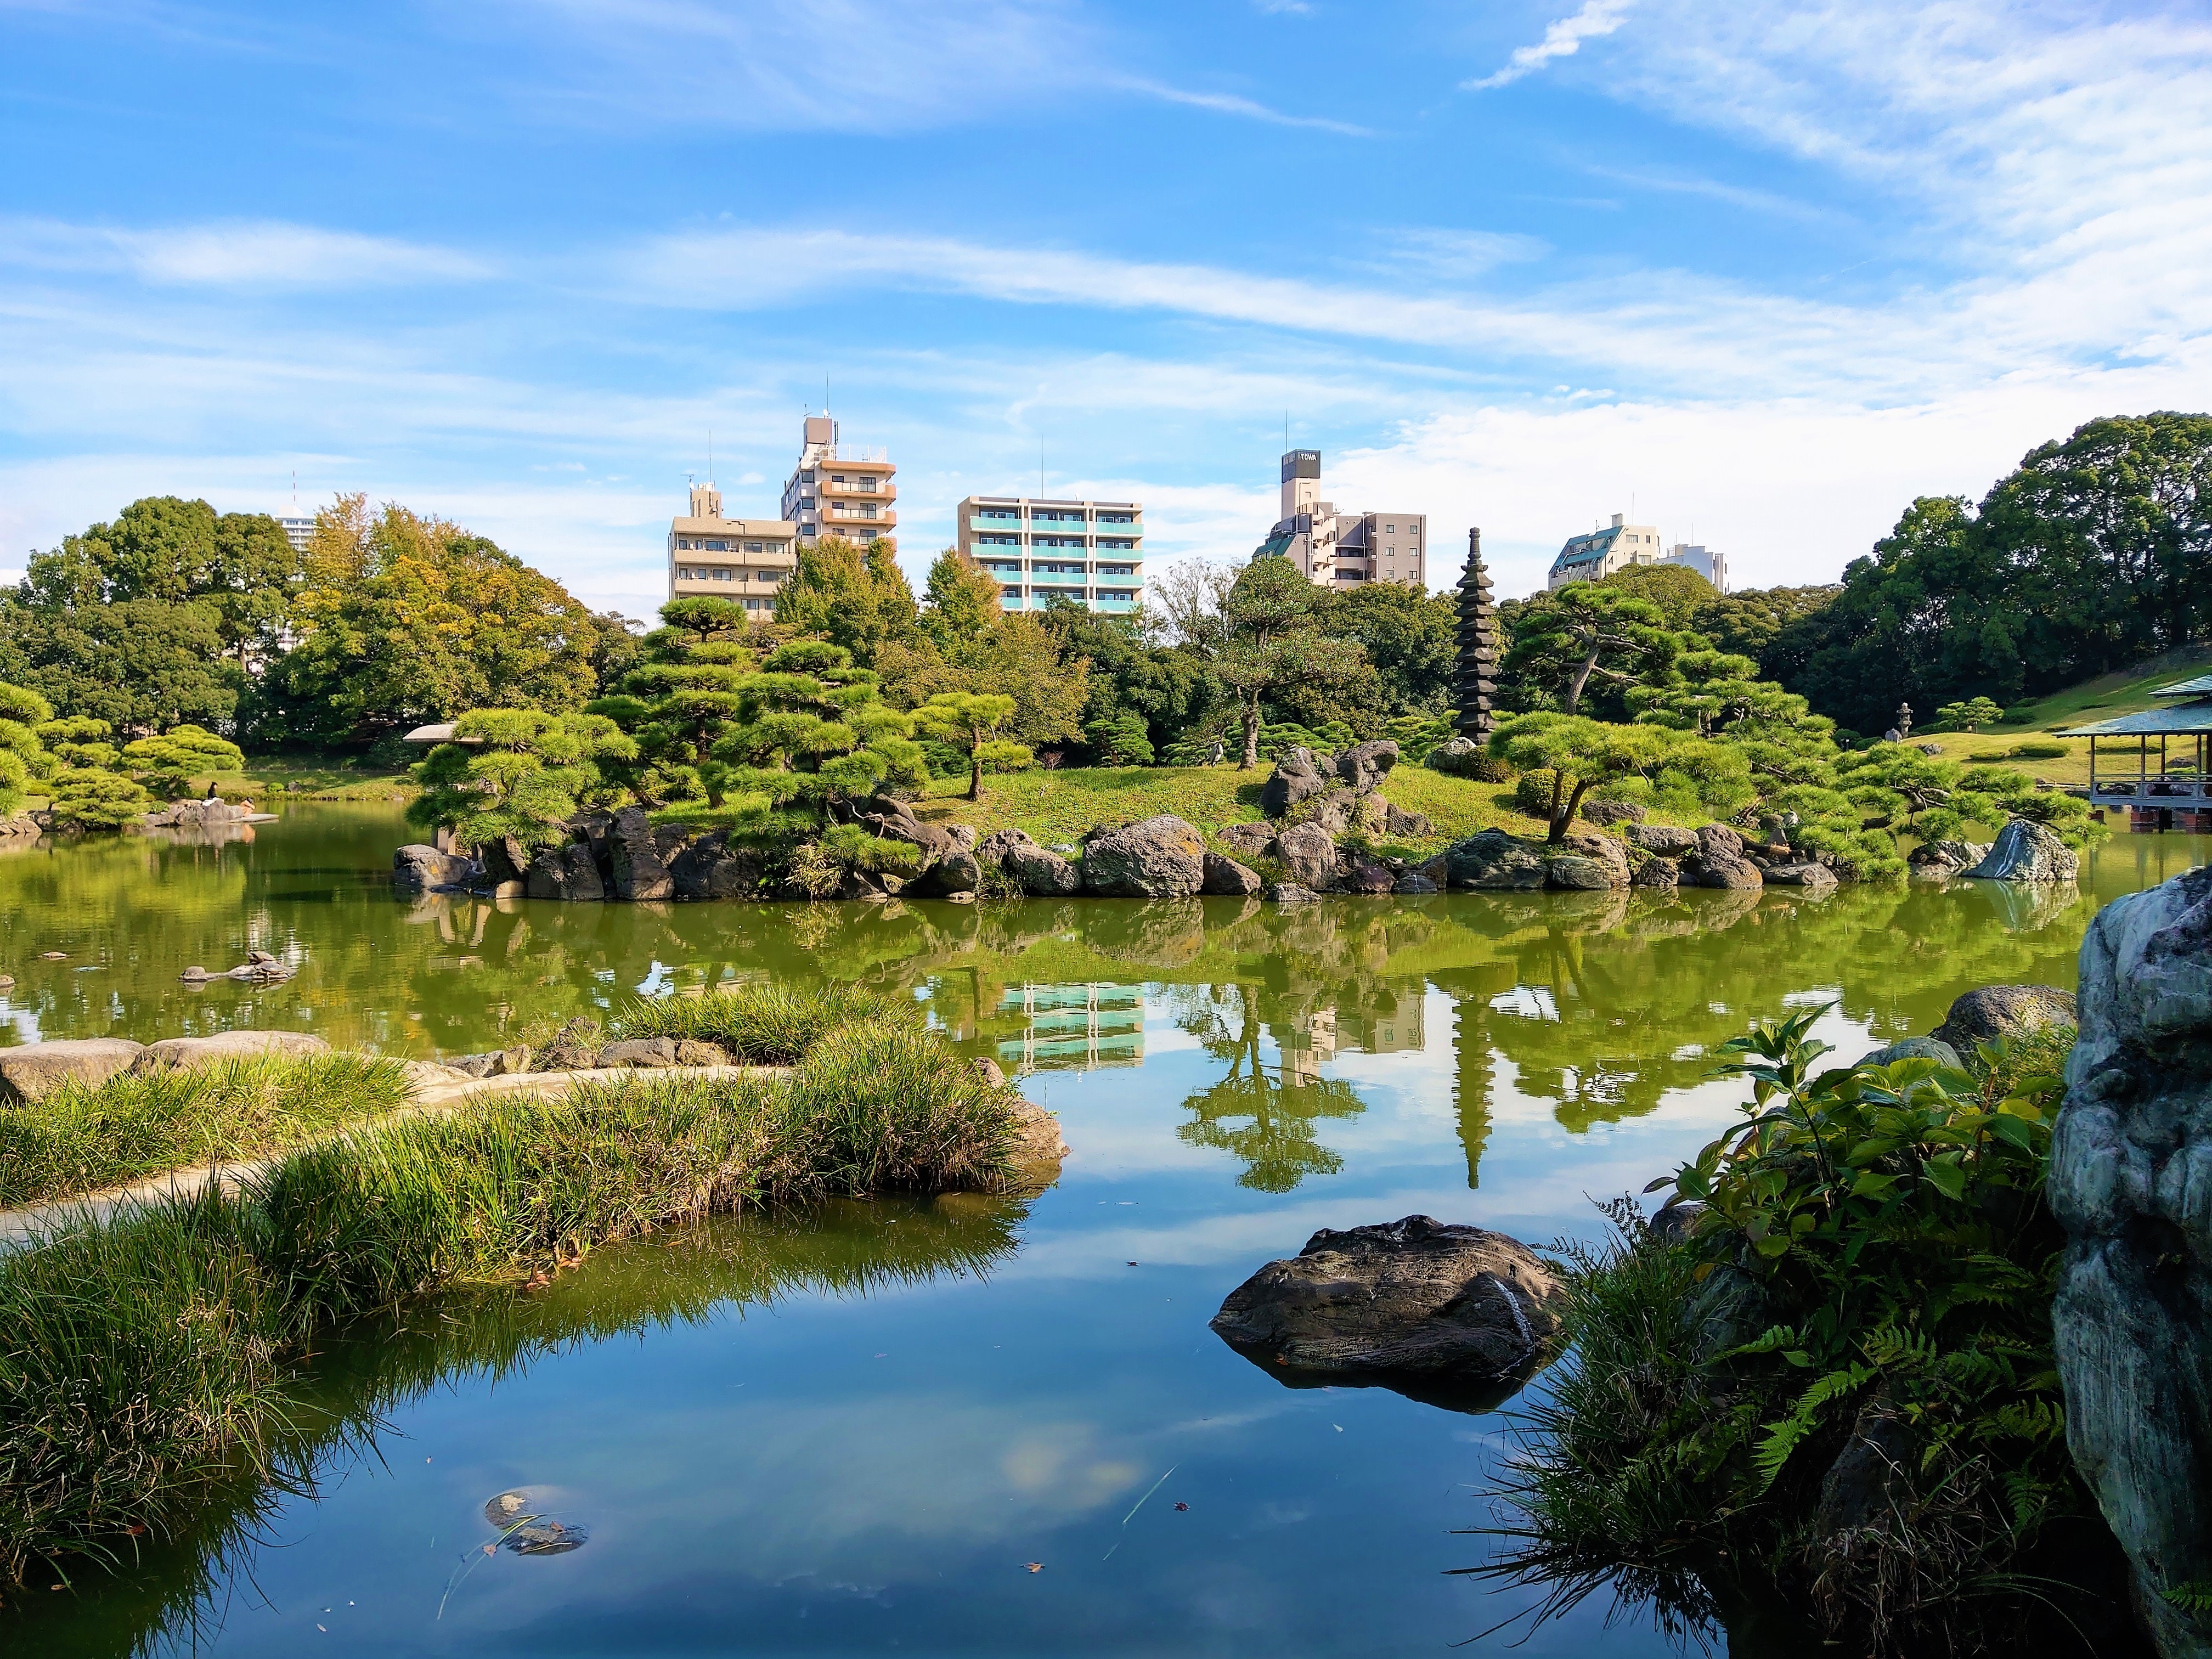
[864,489]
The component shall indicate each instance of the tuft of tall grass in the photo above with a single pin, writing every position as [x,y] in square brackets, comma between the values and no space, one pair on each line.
[80,1138]
[767,1025]
[884,1104]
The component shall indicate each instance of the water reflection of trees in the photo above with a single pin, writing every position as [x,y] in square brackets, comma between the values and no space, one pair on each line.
[172,1596]
[1265,1115]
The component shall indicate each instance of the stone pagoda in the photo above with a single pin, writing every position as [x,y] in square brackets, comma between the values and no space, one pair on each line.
[1476,682]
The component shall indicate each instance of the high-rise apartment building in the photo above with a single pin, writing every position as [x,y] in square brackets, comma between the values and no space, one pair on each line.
[742,559]
[840,489]
[298,531]
[1338,549]
[1091,552]
[1618,546]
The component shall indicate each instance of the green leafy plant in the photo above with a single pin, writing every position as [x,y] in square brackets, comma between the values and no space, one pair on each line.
[168,764]
[85,798]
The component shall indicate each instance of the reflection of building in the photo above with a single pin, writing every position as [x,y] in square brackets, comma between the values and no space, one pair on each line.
[1307,1044]
[1388,1022]
[1073,1027]
[1090,553]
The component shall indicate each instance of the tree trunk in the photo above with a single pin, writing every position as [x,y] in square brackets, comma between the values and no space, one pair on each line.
[1581,679]
[1560,821]
[975,772]
[1251,719]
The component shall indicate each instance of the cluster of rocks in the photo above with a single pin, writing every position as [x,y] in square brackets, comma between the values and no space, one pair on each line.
[573,1050]
[202,814]
[259,968]
[36,1069]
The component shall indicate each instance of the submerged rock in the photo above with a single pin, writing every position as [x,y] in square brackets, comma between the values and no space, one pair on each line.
[1414,1301]
[2131,1183]
[2028,851]
[35,1070]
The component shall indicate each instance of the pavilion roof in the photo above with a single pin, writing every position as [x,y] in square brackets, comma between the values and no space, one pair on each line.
[2175,719]
[2199,687]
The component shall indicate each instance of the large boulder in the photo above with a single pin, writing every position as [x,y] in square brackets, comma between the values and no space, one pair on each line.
[1249,840]
[1612,812]
[36,1069]
[1719,861]
[1160,857]
[1364,875]
[1809,875]
[2028,851]
[2131,1183]
[1396,820]
[505,859]
[1226,879]
[1411,1301]
[1658,874]
[566,872]
[1364,765]
[1669,840]
[1940,860]
[1602,850]
[1579,874]
[196,1053]
[710,868]
[416,868]
[1495,858]
[2004,1010]
[638,872]
[948,877]
[1308,853]
[1039,872]
[1296,778]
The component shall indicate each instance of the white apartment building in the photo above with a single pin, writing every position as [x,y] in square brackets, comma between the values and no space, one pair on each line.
[1339,549]
[1090,552]
[298,531]
[741,559]
[1618,546]
[841,489]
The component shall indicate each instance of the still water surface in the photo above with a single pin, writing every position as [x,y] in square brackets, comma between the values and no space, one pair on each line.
[858,1431]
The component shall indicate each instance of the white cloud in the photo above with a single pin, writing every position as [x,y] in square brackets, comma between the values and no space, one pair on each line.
[1228,104]
[1564,39]
[247,253]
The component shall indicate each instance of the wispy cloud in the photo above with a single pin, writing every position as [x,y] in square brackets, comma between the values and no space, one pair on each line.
[1228,104]
[1563,38]
[1690,184]
[257,254]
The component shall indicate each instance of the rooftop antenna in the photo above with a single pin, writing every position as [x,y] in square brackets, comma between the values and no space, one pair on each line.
[295,492]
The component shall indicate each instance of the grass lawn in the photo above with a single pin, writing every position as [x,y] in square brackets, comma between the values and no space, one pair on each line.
[310,777]
[2107,697]
[1055,808]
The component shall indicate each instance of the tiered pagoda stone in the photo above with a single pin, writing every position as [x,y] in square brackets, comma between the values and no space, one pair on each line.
[1476,682]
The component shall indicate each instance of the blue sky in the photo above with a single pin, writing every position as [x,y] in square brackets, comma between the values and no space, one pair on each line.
[1761,273]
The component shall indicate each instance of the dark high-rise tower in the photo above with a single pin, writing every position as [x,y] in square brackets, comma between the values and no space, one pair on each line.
[1476,682]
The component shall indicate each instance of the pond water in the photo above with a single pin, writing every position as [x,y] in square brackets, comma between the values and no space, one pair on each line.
[967,1425]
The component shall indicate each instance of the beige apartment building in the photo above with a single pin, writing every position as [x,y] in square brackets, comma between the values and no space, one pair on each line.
[742,559]
[1340,548]
[841,489]
[1620,545]
[1091,553]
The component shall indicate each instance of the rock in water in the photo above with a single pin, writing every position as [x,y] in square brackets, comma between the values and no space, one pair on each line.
[1494,859]
[1296,778]
[638,872]
[420,869]
[2028,851]
[1308,854]
[950,876]
[1039,873]
[1161,856]
[2131,1183]
[2003,1010]
[1719,861]
[1225,877]
[1413,1302]
[192,1053]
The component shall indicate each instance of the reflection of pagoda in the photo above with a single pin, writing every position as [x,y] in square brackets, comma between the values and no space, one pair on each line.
[1475,1063]
[1073,1027]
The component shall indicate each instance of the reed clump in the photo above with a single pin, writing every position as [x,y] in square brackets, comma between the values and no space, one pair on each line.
[80,1138]
[147,1353]
[764,1024]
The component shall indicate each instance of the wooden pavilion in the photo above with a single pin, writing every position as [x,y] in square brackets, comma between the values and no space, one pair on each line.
[2176,793]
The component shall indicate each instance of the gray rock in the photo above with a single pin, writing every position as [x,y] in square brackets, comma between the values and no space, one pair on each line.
[1225,877]
[1335,810]
[1296,778]
[1414,1298]
[1578,874]
[1807,874]
[35,1070]
[416,868]
[996,845]
[954,873]
[505,859]
[2131,1183]
[1602,850]
[635,856]
[711,868]
[500,1062]
[1912,1048]
[1414,882]
[1667,840]
[194,1054]
[1612,812]
[1249,840]
[1869,1476]
[1719,861]
[964,836]
[1290,892]
[641,1053]
[1396,820]
[1458,757]
[1364,875]
[567,873]
[1041,874]
[1364,765]
[1661,875]
[2028,851]
[2004,1010]
[1308,853]
[1160,857]
[1494,859]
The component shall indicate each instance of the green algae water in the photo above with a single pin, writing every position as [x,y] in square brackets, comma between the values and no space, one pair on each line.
[965,1426]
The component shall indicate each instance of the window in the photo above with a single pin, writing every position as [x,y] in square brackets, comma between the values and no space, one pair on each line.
[806,475]
[756,547]
[721,575]
[718,547]
[1392,528]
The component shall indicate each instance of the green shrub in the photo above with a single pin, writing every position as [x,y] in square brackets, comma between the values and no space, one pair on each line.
[2040,751]
[1873,1250]
[84,798]
[1532,794]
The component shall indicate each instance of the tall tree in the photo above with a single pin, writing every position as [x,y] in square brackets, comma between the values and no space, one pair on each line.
[961,600]
[1586,632]
[851,596]
[1271,644]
